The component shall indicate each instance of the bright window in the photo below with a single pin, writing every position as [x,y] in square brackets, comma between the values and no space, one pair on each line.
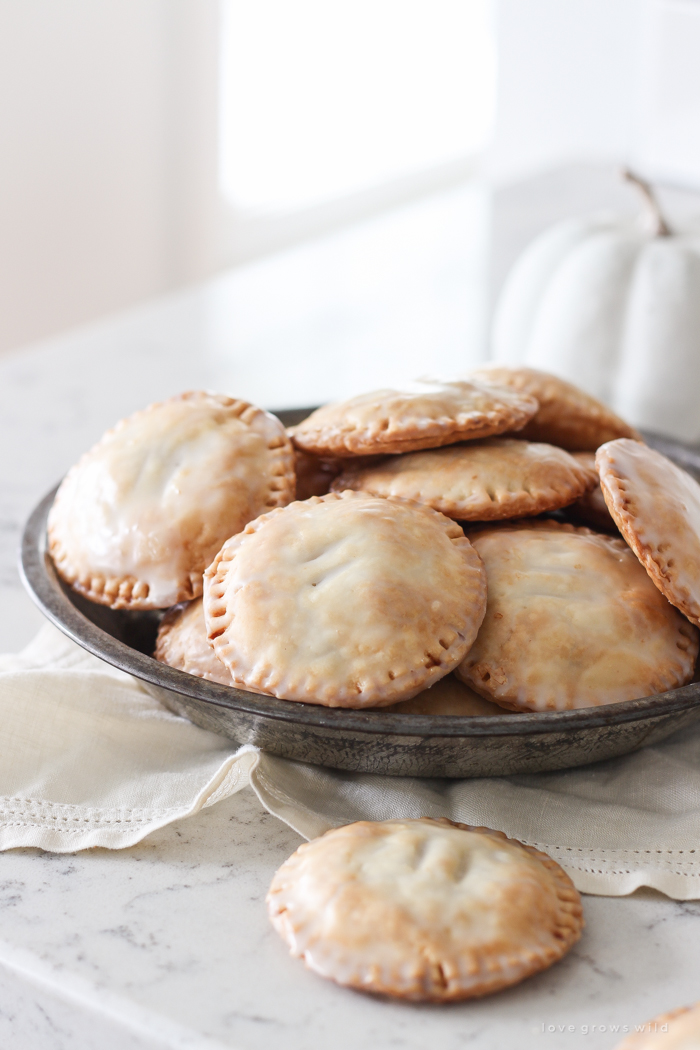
[324,98]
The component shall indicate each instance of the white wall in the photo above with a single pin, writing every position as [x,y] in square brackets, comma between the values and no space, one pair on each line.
[107,156]
[598,80]
[109,138]
[568,76]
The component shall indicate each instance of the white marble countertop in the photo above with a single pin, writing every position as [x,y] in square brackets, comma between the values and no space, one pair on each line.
[167,944]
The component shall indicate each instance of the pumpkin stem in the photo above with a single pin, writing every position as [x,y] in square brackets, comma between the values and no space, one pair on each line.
[660,227]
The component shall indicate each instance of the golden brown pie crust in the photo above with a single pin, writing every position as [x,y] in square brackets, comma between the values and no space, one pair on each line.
[572,621]
[656,507]
[182,642]
[567,416]
[477,481]
[137,520]
[424,909]
[345,600]
[402,421]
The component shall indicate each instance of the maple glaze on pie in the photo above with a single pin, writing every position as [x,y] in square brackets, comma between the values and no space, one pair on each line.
[346,600]
[424,909]
[137,520]
[572,621]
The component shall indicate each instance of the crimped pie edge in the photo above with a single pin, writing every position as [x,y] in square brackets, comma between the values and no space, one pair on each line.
[510,504]
[218,618]
[128,592]
[436,986]
[582,415]
[686,629]
[654,560]
[342,439]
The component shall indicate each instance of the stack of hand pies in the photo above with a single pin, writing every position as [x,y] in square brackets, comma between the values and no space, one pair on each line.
[505,527]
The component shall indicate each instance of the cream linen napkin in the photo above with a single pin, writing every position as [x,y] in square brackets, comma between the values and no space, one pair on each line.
[90,759]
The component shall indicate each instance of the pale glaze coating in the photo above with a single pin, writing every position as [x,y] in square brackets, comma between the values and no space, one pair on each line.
[572,621]
[345,600]
[566,416]
[137,520]
[423,909]
[675,1030]
[403,420]
[183,643]
[656,507]
[479,481]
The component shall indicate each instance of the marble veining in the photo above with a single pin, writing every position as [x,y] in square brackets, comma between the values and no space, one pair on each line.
[177,927]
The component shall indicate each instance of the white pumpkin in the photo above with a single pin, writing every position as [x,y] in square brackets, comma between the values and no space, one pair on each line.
[612,305]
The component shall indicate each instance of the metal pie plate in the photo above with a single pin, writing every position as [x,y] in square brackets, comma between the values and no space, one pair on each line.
[370,741]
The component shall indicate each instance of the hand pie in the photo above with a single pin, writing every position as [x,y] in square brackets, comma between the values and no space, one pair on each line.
[401,421]
[478,481]
[345,600]
[137,520]
[424,909]
[572,621]
[449,696]
[182,642]
[656,507]
[567,416]
[675,1030]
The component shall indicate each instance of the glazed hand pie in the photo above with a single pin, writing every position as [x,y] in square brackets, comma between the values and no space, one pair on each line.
[137,520]
[401,421]
[182,642]
[656,507]
[478,481]
[572,621]
[345,600]
[424,909]
[566,416]
[675,1030]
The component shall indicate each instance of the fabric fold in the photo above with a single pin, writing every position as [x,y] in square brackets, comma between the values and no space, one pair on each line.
[90,758]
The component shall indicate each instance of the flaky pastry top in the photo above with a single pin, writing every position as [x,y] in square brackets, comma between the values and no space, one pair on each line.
[572,621]
[479,480]
[137,520]
[423,909]
[345,600]
[433,414]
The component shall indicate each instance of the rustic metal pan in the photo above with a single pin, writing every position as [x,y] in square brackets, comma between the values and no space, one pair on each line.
[365,741]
